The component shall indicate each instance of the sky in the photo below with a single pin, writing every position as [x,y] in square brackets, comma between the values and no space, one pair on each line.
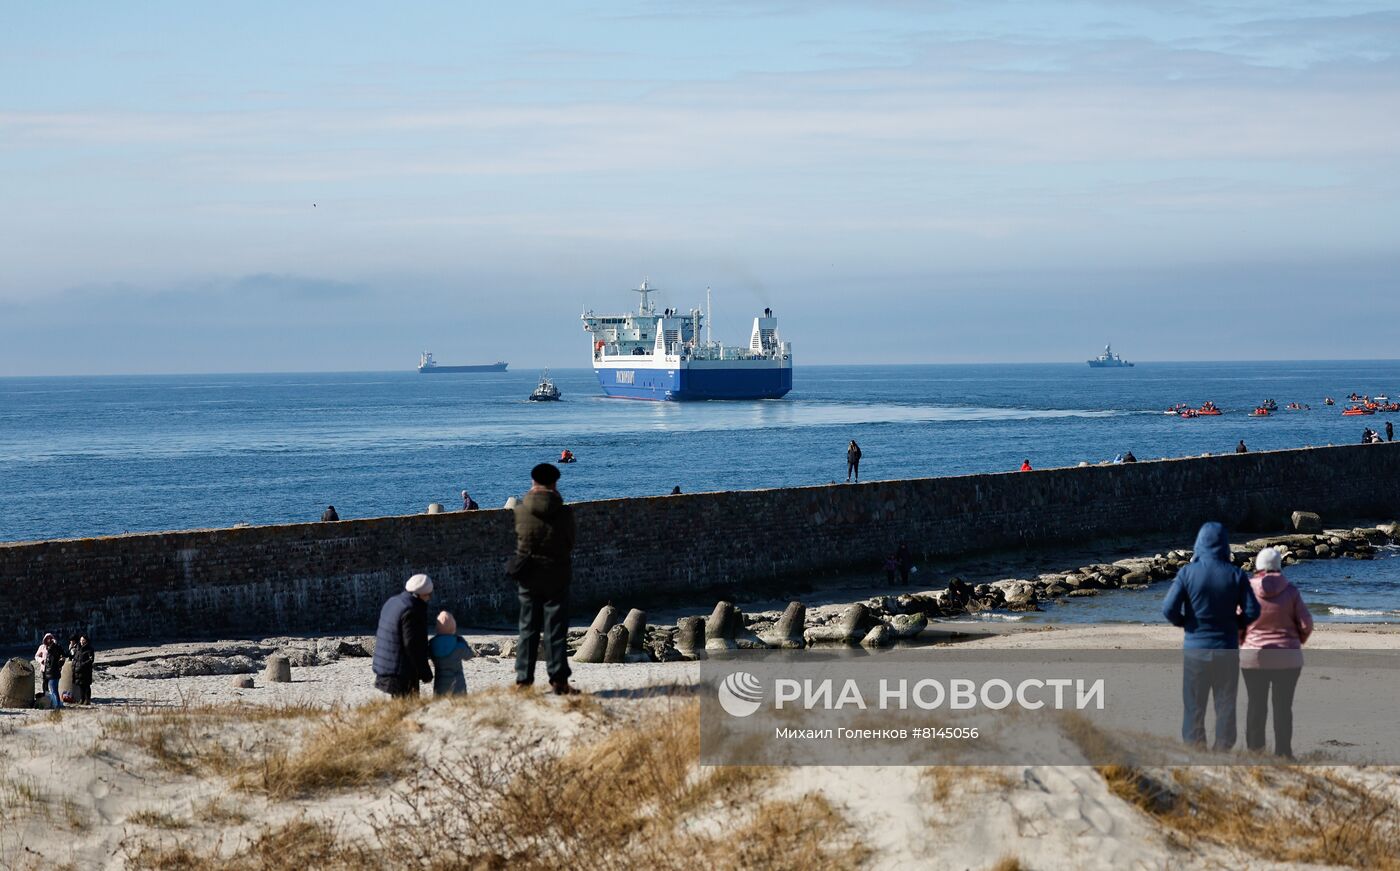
[326,186]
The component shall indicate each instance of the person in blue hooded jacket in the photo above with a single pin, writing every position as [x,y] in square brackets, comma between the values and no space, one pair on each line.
[1212,600]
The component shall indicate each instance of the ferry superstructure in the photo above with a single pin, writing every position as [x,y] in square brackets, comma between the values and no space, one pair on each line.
[663,357]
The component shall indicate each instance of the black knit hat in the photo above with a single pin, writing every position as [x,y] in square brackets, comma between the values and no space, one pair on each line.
[546,474]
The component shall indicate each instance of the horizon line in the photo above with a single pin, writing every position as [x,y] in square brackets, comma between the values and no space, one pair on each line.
[588,369]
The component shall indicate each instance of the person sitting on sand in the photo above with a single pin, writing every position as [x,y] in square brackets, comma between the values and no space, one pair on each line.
[448,650]
[1271,654]
[1212,600]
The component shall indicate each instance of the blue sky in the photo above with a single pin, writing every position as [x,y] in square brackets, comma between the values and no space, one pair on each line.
[336,186]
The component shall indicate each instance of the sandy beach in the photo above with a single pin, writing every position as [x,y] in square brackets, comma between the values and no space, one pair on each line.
[135,780]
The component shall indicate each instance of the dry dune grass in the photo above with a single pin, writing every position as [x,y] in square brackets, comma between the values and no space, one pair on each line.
[279,751]
[632,796]
[1279,813]
[637,796]
[358,749]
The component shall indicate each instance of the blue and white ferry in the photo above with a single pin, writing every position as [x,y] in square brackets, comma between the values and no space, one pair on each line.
[662,356]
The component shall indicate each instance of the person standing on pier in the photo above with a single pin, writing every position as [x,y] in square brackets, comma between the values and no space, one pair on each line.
[853,462]
[542,569]
[1212,600]
[1389,431]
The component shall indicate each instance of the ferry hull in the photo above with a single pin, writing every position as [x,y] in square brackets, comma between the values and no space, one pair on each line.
[695,384]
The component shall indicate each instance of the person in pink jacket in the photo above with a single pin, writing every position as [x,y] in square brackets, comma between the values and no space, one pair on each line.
[1271,653]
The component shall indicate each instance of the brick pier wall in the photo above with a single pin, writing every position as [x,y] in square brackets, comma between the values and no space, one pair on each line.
[314,577]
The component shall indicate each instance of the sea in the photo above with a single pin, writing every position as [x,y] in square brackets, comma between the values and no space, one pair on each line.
[84,456]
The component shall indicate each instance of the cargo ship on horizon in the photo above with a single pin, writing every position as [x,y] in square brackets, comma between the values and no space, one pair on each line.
[428,366]
[662,357]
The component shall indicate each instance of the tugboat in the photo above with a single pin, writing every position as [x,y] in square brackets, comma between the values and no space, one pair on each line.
[1109,360]
[546,391]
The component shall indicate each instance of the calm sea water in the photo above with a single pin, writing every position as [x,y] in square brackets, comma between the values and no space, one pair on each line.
[85,456]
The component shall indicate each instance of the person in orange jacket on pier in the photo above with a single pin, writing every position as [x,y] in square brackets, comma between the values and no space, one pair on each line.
[1026,466]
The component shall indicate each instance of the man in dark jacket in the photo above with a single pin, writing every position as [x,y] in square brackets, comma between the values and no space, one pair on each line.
[1212,600]
[84,657]
[1240,448]
[329,514]
[853,461]
[401,642]
[542,569]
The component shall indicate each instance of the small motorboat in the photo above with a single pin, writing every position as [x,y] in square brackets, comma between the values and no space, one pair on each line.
[546,391]
[1261,411]
[1356,410]
[1209,409]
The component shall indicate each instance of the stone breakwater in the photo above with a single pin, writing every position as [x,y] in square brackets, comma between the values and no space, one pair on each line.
[886,620]
[328,577]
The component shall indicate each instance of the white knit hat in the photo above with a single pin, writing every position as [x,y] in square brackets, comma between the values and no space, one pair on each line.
[419,584]
[1268,560]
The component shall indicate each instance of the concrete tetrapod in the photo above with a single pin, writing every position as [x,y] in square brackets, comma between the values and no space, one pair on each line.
[594,646]
[606,619]
[17,684]
[788,632]
[636,624]
[617,645]
[849,628]
[690,637]
[278,669]
[720,628]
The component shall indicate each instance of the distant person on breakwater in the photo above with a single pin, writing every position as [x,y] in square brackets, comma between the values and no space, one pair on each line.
[1240,448]
[1129,458]
[1271,653]
[542,568]
[1389,431]
[468,503]
[401,641]
[676,490]
[891,569]
[853,461]
[448,651]
[1026,466]
[1213,601]
[329,514]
